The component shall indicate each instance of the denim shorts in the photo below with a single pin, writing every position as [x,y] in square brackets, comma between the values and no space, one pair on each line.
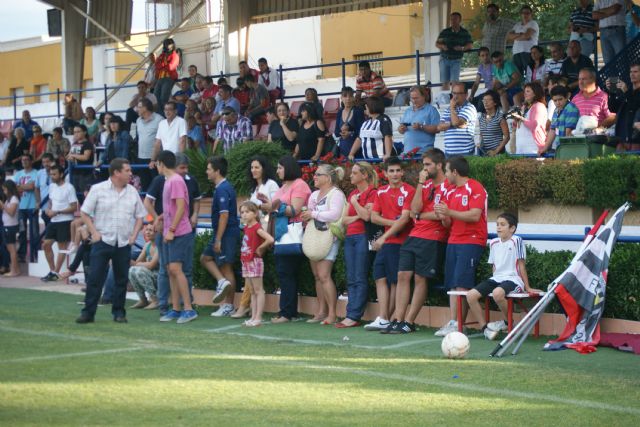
[461,263]
[386,263]
[177,250]
[229,249]
[449,69]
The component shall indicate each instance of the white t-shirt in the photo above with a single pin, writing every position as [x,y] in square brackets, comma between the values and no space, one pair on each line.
[8,220]
[269,189]
[520,46]
[170,134]
[61,197]
[504,256]
[617,20]
[147,131]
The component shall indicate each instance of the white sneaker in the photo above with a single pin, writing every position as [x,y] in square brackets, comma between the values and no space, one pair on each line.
[377,324]
[490,334]
[223,288]
[225,310]
[452,326]
[499,325]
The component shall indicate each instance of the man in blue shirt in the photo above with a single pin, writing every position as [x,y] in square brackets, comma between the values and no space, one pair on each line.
[419,123]
[27,124]
[181,96]
[458,122]
[220,253]
[28,209]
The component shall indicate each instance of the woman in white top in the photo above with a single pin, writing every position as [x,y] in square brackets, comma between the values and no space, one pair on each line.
[326,204]
[531,133]
[524,36]
[10,222]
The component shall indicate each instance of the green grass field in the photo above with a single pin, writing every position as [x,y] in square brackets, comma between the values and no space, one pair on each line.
[215,372]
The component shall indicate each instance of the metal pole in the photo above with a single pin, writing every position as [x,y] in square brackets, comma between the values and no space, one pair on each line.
[106,98]
[595,52]
[58,101]
[281,78]
[417,67]
[344,73]
[15,106]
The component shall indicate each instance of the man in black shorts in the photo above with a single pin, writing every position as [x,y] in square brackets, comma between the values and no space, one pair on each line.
[62,205]
[422,254]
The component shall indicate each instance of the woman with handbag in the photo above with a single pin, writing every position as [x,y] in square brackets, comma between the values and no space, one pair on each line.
[322,235]
[356,244]
[287,204]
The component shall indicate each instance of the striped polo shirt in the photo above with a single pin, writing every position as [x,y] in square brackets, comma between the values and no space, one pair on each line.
[460,141]
[564,119]
[372,134]
[490,130]
[583,17]
[597,105]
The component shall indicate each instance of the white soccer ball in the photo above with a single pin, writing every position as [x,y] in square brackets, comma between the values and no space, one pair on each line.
[455,345]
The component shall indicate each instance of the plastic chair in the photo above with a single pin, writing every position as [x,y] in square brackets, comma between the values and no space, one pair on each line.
[331,107]
[262,133]
[295,106]
[331,126]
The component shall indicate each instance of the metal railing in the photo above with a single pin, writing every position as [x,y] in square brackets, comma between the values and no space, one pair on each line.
[417,56]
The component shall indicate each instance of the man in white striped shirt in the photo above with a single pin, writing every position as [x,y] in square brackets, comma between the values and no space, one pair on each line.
[458,123]
[113,213]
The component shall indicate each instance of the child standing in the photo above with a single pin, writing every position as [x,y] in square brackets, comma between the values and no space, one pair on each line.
[254,244]
[143,274]
[10,221]
[507,254]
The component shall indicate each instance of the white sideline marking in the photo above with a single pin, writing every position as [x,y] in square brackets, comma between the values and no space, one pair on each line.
[506,393]
[229,327]
[66,355]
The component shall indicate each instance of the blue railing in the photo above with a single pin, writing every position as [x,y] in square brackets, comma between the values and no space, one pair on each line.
[417,56]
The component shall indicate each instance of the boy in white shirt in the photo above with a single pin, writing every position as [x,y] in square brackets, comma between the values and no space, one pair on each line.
[507,254]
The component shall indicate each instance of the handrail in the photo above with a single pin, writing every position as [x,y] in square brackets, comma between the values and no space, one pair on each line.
[417,56]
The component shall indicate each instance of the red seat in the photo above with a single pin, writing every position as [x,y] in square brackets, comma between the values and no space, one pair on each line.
[262,133]
[331,126]
[331,106]
[5,128]
[295,106]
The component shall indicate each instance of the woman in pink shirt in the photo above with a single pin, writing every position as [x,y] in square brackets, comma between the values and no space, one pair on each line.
[293,193]
[326,205]
[531,127]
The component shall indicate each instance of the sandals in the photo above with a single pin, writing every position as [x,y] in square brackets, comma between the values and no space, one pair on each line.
[342,325]
[280,319]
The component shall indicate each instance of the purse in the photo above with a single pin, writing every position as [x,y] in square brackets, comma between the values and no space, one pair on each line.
[317,240]
[291,242]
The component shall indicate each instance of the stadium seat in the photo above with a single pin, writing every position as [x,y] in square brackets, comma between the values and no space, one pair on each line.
[263,132]
[295,106]
[331,126]
[5,128]
[331,107]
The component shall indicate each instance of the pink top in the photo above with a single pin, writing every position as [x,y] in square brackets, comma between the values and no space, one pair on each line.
[597,105]
[297,189]
[536,122]
[175,188]
[329,208]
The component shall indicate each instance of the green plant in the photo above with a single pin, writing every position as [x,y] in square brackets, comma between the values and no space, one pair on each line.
[623,288]
[201,277]
[518,183]
[483,170]
[563,181]
[611,181]
[198,168]
[239,158]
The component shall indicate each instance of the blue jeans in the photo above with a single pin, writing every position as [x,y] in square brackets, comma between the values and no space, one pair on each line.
[449,70]
[612,40]
[356,255]
[28,219]
[101,254]
[287,267]
[162,91]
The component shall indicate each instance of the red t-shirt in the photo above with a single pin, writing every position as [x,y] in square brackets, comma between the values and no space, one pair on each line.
[364,198]
[429,229]
[211,92]
[250,242]
[471,195]
[390,202]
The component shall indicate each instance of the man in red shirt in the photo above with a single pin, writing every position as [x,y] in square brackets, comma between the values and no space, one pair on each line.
[391,210]
[422,254]
[369,84]
[465,209]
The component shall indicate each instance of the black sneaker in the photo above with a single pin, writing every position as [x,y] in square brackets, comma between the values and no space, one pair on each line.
[49,277]
[389,328]
[403,328]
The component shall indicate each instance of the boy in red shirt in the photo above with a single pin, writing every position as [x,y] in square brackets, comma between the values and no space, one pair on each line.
[465,209]
[391,209]
[421,255]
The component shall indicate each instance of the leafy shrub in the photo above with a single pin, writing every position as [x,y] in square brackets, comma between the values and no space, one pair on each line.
[239,158]
[563,181]
[518,183]
[483,170]
[611,181]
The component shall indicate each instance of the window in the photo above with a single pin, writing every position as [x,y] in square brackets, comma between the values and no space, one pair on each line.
[43,89]
[19,93]
[376,66]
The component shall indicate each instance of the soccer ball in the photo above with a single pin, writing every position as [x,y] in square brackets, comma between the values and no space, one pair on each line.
[455,345]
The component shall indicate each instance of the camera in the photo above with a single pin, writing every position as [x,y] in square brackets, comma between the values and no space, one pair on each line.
[510,114]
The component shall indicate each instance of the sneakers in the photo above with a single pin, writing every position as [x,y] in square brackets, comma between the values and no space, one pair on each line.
[452,326]
[223,288]
[393,324]
[225,310]
[187,316]
[490,334]
[402,328]
[51,277]
[377,324]
[500,325]
[170,316]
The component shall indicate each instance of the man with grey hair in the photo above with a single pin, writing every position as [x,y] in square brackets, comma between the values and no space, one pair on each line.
[153,203]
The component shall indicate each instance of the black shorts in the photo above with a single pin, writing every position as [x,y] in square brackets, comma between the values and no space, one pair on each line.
[58,231]
[488,286]
[10,234]
[422,256]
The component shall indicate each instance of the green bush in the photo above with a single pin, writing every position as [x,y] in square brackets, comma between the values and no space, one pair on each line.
[483,170]
[518,183]
[611,181]
[239,158]
[563,182]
